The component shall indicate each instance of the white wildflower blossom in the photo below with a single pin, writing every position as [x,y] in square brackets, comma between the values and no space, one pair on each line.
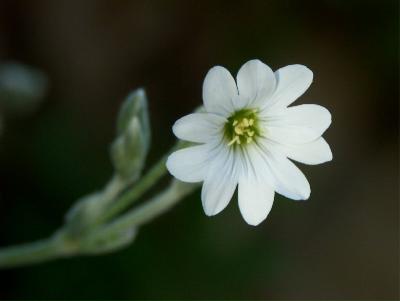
[247,136]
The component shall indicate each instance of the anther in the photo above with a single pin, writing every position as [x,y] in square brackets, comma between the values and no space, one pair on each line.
[235,139]
[238,130]
[242,127]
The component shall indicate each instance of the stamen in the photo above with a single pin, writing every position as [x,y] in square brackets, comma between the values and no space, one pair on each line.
[242,127]
[238,130]
[235,139]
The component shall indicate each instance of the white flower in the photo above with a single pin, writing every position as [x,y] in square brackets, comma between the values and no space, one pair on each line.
[246,137]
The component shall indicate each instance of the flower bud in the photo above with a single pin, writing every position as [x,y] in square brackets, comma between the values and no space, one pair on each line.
[135,105]
[128,152]
[130,148]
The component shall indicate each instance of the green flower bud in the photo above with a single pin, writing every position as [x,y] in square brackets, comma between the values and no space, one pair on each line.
[128,152]
[135,105]
[130,148]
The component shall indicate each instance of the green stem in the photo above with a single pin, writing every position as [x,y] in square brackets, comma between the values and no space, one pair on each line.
[60,245]
[130,196]
[150,209]
[147,181]
[31,253]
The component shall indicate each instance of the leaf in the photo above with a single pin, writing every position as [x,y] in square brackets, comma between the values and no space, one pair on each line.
[82,214]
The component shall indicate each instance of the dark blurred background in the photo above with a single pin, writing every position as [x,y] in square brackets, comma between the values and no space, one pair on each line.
[341,244]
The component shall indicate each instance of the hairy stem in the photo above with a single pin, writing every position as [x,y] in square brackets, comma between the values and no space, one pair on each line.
[61,245]
[132,195]
[32,253]
[152,208]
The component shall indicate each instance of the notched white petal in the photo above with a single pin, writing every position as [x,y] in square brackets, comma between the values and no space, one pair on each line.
[312,116]
[219,88]
[292,82]
[315,152]
[220,183]
[288,135]
[190,164]
[298,125]
[288,178]
[256,82]
[199,127]
[255,199]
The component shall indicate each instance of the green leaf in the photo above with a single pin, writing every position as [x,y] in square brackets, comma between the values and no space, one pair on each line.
[80,217]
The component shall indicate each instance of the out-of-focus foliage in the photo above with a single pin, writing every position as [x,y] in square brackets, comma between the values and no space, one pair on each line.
[22,88]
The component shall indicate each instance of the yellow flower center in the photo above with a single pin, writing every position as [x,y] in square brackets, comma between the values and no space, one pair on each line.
[242,127]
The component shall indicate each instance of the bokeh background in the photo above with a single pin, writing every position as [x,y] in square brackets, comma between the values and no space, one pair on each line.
[343,243]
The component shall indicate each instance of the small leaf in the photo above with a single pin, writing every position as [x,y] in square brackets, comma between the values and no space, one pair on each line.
[80,217]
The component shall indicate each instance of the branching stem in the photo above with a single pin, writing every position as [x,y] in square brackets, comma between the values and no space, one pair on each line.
[61,245]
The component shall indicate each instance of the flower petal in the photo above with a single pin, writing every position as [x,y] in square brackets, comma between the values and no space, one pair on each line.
[298,125]
[219,88]
[220,182]
[198,127]
[256,82]
[190,164]
[291,135]
[309,115]
[315,152]
[255,198]
[288,180]
[292,82]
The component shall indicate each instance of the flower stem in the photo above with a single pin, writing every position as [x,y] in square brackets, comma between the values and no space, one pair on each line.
[31,253]
[152,208]
[130,196]
[61,245]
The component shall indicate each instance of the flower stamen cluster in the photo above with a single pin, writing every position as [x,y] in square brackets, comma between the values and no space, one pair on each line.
[241,127]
